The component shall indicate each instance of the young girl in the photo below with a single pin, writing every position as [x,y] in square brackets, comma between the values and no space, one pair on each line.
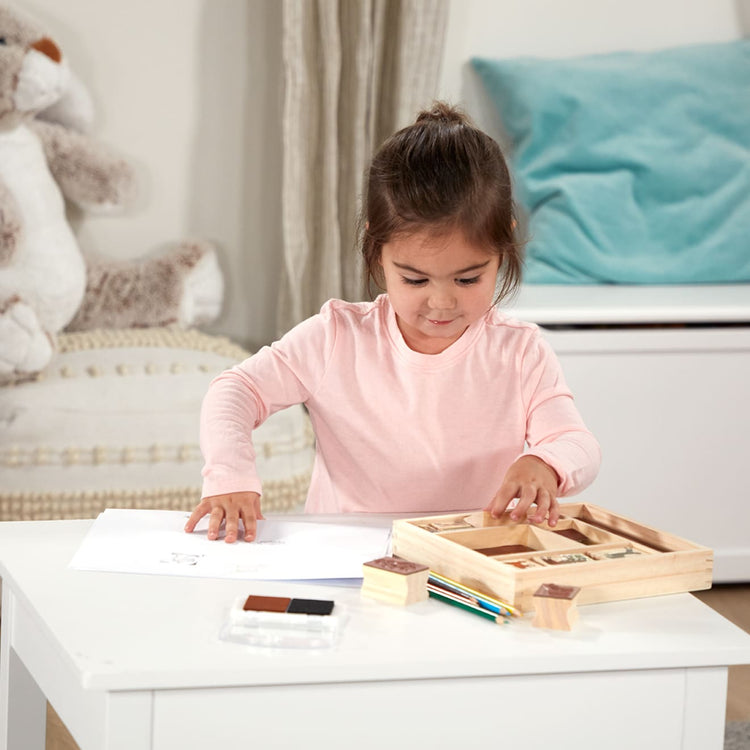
[423,400]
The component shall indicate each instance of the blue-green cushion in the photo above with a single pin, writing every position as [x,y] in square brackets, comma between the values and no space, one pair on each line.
[634,167]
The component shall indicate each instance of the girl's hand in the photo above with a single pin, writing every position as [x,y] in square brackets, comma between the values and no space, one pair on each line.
[230,508]
[533,482]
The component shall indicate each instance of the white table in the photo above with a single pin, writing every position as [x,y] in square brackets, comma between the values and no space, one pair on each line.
[134,662]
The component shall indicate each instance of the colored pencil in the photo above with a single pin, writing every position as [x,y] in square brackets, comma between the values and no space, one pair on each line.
[463,601]
[463,605]
[493,604]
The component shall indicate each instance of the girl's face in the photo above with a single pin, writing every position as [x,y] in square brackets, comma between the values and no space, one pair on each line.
[438,287]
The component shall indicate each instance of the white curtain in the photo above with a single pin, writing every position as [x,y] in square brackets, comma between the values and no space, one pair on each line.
[354,72]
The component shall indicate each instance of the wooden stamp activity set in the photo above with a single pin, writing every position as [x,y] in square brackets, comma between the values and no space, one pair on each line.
[606,556]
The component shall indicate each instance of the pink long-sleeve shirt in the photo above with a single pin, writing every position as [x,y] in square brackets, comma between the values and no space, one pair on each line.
[397,430]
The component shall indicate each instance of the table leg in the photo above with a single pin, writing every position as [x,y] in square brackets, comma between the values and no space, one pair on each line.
[23,707]
[129,721]
[705,708]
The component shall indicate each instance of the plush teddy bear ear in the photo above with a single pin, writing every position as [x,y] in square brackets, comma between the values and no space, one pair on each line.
[74,109]
[45,80]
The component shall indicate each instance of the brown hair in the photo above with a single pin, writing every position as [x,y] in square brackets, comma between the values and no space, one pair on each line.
[441,174]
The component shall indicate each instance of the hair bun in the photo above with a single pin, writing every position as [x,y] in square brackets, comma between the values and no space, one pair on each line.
[442,112]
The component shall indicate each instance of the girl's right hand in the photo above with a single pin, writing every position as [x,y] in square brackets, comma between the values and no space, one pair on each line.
[231,509]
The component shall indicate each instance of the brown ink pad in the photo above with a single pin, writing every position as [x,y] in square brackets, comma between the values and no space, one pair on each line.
[285,604]
[266,603]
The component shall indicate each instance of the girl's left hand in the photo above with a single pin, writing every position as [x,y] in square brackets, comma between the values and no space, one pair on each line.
[533,482]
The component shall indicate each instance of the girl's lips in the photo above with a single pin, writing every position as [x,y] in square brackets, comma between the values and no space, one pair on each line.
[440,322]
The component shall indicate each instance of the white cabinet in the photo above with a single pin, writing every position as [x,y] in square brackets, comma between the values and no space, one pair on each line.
[669,403]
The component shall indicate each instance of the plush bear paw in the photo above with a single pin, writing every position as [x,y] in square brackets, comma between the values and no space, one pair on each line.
[25,347]
[203,291]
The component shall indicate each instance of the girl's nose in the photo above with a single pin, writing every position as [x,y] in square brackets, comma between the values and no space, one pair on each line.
[442,299]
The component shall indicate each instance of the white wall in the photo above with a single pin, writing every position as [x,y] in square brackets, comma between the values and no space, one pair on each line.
[190,91]
[551,28]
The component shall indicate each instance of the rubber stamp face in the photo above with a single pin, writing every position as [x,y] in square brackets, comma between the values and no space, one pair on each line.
[396,565]
[557,591]
[616,554]
[566,559]
[451,525]
[522,564]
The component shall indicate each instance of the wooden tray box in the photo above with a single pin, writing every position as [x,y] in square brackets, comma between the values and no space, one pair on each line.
[610,557]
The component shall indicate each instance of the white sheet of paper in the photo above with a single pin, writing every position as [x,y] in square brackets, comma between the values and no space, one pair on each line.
[154,542]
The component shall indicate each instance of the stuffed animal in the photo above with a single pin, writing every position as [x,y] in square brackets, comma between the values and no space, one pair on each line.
[46,284]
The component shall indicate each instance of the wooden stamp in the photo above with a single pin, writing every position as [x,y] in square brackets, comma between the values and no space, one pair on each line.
[395,581]
[554,606]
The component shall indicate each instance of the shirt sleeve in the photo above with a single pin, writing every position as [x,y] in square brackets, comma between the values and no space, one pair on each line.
[555,431]
[240,399]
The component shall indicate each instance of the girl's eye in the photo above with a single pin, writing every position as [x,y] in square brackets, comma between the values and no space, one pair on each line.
[414,282]
[468,282]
